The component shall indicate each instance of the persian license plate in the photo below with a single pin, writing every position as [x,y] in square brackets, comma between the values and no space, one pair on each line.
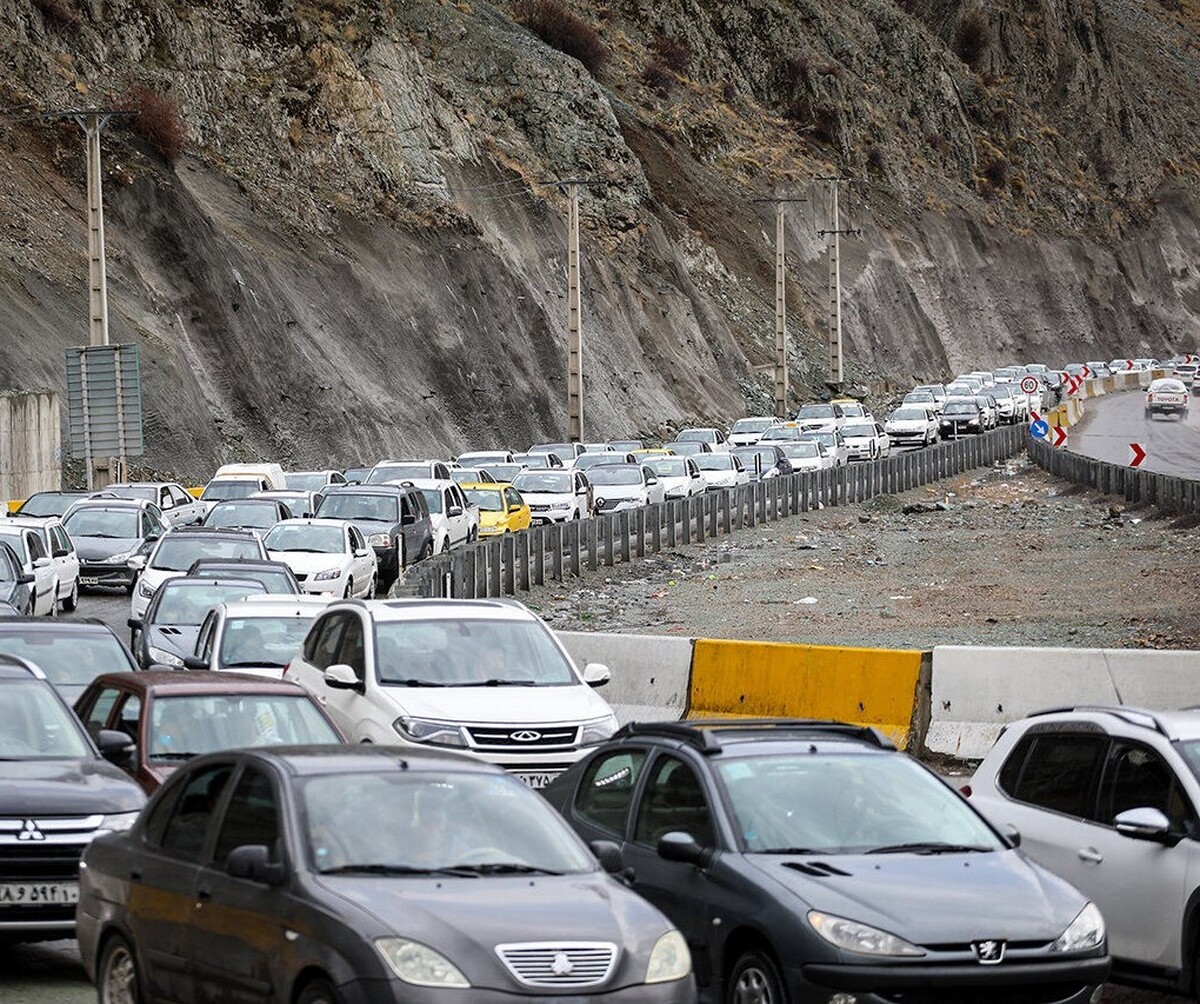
[39,894]
[536,779]
[89,580]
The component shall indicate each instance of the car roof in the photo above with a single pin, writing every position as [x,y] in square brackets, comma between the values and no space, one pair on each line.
[209,531]
[490,485]
[197,681]
[195,581]
[435,609]
[13,667]
[315,521]
[432,483]
[714,735]
[98,502]
[317,760]
[1172,725]
[30,522]
[55,625]
[267,563]
[275,605]
[391,490]
[251,500]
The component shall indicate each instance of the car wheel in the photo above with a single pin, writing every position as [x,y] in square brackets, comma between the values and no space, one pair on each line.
[318,992]
[349,589]
[374,587]
[71,603]
[755,980]
[446,546]
[53,611]
[28,611]
[117,975]
[426,551]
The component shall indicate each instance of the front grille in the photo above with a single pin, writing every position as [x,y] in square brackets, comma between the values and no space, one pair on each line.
[1031,993]
[523,738]
[574,965]
[36,850]
[539,508]
[40,863]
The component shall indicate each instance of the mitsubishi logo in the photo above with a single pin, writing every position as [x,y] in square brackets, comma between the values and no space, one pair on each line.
[526,736]
[989,953]
[30,831]
[562,966]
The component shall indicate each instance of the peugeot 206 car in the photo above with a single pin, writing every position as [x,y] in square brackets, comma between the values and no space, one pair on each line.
[300,875]
[811,863]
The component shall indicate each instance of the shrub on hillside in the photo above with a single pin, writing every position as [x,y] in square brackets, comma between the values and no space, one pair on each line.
[971,37]
[672,53]
[564,31]
[57,13]
[658,78]
[157,121]
[996,171]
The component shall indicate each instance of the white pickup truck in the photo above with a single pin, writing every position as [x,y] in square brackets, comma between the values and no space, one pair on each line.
[454,519]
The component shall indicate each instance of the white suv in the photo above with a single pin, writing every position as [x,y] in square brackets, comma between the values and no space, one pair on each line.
[482,676]
[1107,798]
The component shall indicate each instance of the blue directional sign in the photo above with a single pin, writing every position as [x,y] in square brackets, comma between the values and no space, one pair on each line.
[1039,429]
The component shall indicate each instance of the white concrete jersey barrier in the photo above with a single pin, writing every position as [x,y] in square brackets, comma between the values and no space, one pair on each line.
[650,673]
[977,691]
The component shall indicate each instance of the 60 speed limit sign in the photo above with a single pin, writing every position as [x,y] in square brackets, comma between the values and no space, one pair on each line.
[1029,384]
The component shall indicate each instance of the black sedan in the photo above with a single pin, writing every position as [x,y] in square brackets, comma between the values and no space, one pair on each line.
[299,875]
[166,636]
[961,416]
[109,534]
[810,862]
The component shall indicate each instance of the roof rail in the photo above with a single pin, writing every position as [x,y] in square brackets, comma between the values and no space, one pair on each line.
[1127,713]
[703,733]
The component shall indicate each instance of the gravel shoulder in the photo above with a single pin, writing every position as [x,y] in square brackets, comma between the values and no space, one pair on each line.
[1004,556]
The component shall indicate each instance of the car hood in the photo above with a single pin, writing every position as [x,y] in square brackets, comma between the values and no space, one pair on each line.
[450,915]
[964,417]
[100,548]
[308,564]
[177,638]
[935,899]
[806,464]
[534,706]
[369,527]
[86,787]
[906,425]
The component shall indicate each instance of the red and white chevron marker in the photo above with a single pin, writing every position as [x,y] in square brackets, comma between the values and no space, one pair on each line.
[1139,455]
[1060,435]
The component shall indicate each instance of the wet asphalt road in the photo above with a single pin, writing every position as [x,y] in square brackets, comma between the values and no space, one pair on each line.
[1111,423]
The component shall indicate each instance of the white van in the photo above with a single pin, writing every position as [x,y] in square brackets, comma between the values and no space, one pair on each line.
[272,474]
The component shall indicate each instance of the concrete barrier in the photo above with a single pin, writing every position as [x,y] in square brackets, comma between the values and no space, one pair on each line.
[977,691]
[650,673]
[30,443]
[866,686]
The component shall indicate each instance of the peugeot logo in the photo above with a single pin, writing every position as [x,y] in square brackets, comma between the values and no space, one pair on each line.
[526,736]
[562,966]
[989,953]
[30,831]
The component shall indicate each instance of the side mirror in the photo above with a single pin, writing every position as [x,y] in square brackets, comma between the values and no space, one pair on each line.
[116,747]
[609,855]
[25,579]
[59,552]
[454,510]
[363,552]
[407,519]
[679,846]
[194,662]
[1145,823]
[596,674]
[1011,834]
[339,676]
[514,508]
[41,562]
[135,623]
[153,535]
[652,480]
[253,862]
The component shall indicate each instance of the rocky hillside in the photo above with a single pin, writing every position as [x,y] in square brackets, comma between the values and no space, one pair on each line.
[359,249]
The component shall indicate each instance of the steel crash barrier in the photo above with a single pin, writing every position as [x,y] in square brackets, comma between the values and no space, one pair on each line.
[550,553]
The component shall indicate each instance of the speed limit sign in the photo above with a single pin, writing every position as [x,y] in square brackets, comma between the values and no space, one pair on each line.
[1029,384]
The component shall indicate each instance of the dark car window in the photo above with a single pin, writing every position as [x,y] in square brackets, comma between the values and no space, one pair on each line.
[327,641]
[1058,773]
[673,801]
[1136,777]
[251,818]
[607,788]
[129,715]
[350,652]
[97,716]
[188,825]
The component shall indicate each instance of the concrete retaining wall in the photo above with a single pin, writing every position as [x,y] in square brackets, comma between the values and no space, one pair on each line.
[30,444]
[650,673]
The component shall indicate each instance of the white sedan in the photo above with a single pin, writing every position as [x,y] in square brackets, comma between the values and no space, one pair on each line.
[679,476]
[454,519]
[866,440]
[834,445]
[63,557]
[34,559]
[721,470]
[807,456]
[912,425]
[624,486]
[556,495]
[328,556]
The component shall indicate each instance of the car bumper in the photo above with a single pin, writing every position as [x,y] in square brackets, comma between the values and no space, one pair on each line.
[324,587]
[619,504]
[492,531]
[106,574]
[379,991]
[551,515]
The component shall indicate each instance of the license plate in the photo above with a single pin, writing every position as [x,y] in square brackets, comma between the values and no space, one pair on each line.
[537,779]
[89,580]
[39,894]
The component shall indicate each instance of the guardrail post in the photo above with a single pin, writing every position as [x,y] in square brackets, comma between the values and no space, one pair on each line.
[623,532]
[685,521]
[508,559]
[655,514]
[708,505]
[523,559]
[593,530]
[555,535]
[639,529]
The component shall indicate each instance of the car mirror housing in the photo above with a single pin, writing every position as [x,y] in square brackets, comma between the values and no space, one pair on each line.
[194,662]
[41,562]
[1011,834]
[116,747]
[596,674]
[608,853]
[454,510]
[253,862]
[679,846]
[407,519]
[1145,823]
[26,579]
[339,676]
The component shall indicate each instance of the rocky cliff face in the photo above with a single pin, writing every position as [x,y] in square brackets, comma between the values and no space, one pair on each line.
[363,252]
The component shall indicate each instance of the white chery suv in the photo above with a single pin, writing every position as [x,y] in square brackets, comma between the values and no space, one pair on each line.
[480,676]
[1107,798]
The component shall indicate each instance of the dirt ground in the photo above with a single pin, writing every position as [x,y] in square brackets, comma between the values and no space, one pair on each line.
[1008,556]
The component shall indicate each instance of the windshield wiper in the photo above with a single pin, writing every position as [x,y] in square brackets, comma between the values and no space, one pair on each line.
[795,850]
[382,869]
[260,662]
[304,550]
[504,868]
[172,756]
[413,683]
[928,847]
[494,682]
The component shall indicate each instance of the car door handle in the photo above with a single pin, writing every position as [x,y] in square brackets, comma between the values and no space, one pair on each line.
[1089,855]
[203,895]
[135,876]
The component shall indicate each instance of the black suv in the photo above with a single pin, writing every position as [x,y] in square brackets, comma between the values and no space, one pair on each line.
[57,793]
[394,520]
[809,861]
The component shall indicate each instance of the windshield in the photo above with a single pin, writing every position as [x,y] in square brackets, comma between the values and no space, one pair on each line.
[858,430]
[188,725]
[469,653]
[802,451]
[548,482]
[846,803]
[181,601]
[16,540]
[696,436]
[230,488]
[482,457]
[910,415]
[48,504]
[474,824]
[853,411]
[274,580]
[815,411]
[242,514]
[615,474]
[147,492]
[36,725]
[488,499]
[713,461]
[669,467]
[261,641]
[751,425]
[626,445]
[589,460]
[961,408]
[564,451]
[68,658]
[398,472]
[118,524]
[827,439]
[534,460]
[176,554]
[306,537]
[917,397]
[503,472]
[786,433]
[433,498]
[307,481]
[753,459]
[367,508]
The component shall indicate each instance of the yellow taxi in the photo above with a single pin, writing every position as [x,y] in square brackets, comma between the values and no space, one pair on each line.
[501,508]
[644,455]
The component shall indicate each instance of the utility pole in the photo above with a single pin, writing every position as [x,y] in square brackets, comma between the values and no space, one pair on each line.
[836,371]
[781,366]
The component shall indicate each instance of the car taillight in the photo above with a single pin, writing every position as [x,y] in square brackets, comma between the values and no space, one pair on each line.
[966,790]
[286,669]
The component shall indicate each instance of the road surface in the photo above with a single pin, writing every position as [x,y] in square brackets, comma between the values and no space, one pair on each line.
[1111,423]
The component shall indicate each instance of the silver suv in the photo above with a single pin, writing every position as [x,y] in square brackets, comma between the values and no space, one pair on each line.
[1107,797]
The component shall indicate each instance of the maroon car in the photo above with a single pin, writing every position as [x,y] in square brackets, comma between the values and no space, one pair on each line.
[171,717]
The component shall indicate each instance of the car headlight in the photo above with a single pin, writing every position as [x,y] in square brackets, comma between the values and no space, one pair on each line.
[855,937]
[419,964]
[119,822]
[379,539]
[329,573]
[599,731]
[670,959]
[146,589]
[116,559]
[165,658]
[1085,931]
[418,730]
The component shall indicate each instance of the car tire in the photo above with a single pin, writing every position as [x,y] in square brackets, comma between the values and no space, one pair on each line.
[446,546]
[374,588]
[755,979]
[71,603]
[53,611]
[426,551]
[349,589]
[117,974]
[318,992]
